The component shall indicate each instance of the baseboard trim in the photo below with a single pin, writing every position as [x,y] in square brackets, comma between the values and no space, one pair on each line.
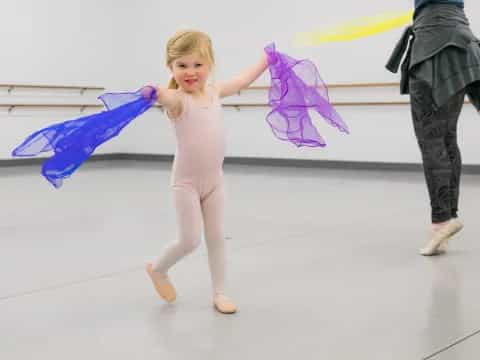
[325,164]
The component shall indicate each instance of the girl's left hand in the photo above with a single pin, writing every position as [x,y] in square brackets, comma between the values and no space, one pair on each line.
[149,92]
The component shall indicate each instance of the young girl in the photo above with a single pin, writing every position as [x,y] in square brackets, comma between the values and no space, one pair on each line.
[441,66]
[194,108]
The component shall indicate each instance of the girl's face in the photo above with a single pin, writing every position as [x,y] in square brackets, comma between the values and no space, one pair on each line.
[191,72]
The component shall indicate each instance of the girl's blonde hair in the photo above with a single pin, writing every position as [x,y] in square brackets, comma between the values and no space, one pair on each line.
[186,42]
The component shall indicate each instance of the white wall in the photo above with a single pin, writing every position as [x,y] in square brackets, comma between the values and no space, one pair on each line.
[120,45]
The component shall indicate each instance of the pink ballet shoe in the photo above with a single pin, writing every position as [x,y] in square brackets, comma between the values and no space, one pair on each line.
[224,305]
[438,239]
[457,227]
[162,285]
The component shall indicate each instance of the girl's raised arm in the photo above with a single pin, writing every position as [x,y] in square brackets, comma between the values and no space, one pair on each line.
[244,79]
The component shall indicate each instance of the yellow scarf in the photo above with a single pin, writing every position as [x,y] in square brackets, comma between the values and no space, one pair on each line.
[356,29]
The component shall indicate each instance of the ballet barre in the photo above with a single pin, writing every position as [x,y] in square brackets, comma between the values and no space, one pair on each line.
[340,86]
[81,89]
[237,106]
[81,107]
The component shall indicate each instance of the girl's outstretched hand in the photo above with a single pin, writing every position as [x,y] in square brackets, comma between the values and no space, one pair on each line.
[149,92]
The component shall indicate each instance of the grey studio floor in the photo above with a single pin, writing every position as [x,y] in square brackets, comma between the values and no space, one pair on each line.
[322,263]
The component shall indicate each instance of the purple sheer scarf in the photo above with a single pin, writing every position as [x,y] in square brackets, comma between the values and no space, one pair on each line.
[296,86]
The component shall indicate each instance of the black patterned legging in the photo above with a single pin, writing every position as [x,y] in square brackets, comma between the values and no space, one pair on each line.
[436,131]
